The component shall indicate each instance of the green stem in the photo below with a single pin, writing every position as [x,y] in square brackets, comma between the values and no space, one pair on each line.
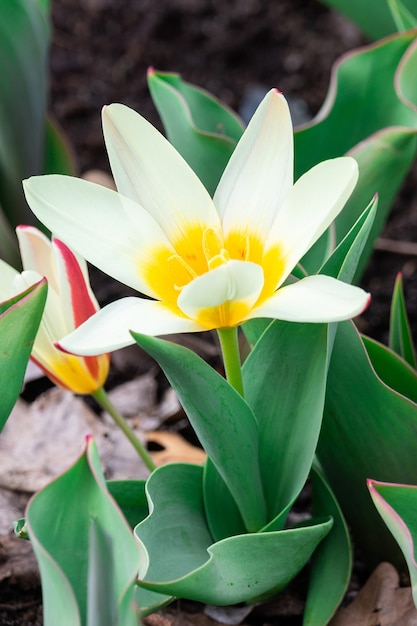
[231,357]
[105,403]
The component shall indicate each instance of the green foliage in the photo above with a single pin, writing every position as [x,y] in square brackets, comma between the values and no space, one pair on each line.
[331,563]
[183,561]
[207,555]
[378,18]
[368,431]
[19,321]
[397,505]
[27,140]
[368,115]
[400,338]
[86,553]
[204,131]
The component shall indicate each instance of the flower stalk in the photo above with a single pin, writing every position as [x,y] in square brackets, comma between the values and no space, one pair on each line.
[229,346]
[103,400]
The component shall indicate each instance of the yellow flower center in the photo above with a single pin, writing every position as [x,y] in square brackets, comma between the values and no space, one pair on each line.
[200,250]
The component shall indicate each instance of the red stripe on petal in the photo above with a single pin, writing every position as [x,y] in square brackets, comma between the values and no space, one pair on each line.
[83,306]
[50,374]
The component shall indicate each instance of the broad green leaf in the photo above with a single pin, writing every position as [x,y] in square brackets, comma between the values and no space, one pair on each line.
[374,17]
[203,130]
[24,43]
[183,561]
[397,505]
[217,497]
[392,369]
[344,260]
[45,6]
[253,329]
[400,337]
[331,563]
[19,321]
[285,379]
[131,498]
[59,157]
[368,114]
[222,420]
[59,520]
[403,18]
[101,609]
[368,430]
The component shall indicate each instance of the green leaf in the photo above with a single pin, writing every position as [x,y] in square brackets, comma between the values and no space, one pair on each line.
[24,44]
[203,130]
[368,430]
[131,498]
[19,321]
[374,17]
[403,18]
[59,157]
[285,379]
[397,505]
[392,369]
[222,514]
[331,563]
[253,329]
[101,609]
[400,337]
[369,113]
[70,552]
[344,260]
[183,561]
[222,420]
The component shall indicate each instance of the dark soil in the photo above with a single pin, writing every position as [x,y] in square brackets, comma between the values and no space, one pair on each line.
[100,52]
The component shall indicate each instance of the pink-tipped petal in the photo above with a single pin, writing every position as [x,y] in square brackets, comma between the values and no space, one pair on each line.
[109,329]
[259,174]
[314,299]
[35,250]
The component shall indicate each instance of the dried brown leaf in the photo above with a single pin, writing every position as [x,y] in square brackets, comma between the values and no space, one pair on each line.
[175,449]
[381,602]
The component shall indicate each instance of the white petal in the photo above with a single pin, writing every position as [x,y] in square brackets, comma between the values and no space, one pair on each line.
[259,174]
[235,281]
[35,250]
[109,230]
[314,299]
[148,169]
[54,319]
[311,206]
[109,329]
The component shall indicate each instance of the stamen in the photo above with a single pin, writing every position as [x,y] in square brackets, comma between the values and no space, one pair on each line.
[213,248]
[180,271]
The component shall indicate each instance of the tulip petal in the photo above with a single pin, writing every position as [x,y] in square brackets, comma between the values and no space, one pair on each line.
[148,169]
[310,207]
[109,329]
[236,285]
[35,250]
[259,174]
[314,299]
[109,230]
[77,299]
